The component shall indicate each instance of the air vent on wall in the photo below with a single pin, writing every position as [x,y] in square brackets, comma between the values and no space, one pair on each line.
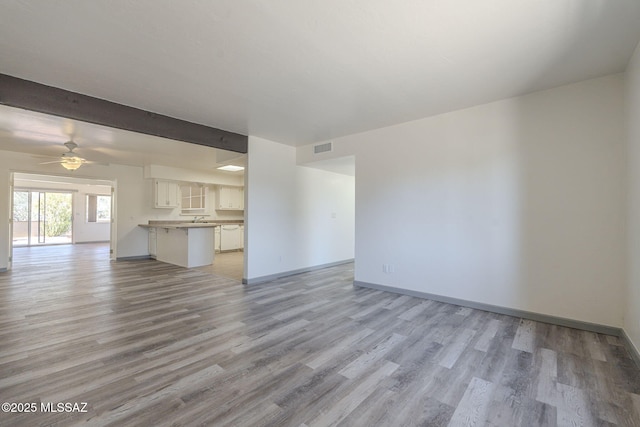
[322,148]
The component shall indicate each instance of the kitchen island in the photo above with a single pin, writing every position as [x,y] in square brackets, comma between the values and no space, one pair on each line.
[184,244]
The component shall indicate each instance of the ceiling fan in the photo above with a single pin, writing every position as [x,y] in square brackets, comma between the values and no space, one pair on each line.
[69,160]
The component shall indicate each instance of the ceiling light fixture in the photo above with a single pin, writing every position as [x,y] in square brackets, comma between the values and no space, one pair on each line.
[69,160]
[231,168]
[72,163]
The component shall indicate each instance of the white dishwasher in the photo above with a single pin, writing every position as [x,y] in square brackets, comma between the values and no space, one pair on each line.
[230,237]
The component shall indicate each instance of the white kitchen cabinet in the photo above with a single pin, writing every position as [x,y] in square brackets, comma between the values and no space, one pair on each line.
[230,198]
[165,194]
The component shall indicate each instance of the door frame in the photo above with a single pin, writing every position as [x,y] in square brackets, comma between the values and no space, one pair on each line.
[10,239]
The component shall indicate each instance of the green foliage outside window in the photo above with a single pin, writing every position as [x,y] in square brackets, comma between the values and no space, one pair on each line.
[58,214]
[21,206]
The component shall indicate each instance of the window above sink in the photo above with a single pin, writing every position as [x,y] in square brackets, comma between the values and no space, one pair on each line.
[193,198]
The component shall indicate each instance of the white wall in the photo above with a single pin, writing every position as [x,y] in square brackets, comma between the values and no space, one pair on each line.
[204,177]
[84,231]
[632,309]
[518,203]
[289,212]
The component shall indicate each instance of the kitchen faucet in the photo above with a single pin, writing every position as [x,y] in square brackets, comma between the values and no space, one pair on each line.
[198,219]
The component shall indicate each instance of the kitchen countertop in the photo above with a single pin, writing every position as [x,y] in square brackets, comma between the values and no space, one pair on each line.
[180,225]
[187,224]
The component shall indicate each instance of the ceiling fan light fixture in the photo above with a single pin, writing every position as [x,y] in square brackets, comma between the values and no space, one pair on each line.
[71,163]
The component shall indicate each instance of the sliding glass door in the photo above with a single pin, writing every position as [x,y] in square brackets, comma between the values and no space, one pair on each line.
[42,217]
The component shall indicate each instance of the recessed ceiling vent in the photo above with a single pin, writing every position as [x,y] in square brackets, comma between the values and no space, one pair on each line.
[322,148]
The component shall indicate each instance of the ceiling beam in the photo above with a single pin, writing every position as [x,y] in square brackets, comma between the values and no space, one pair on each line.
[28,95]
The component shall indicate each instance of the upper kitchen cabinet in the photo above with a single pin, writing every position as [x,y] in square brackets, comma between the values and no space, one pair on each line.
[230,198]
[165,194]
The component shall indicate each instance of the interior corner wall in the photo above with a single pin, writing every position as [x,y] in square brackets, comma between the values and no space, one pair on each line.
[519,203]
[632,123]
[296,217]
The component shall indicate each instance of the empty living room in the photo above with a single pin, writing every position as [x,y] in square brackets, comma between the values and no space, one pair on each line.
[337,213]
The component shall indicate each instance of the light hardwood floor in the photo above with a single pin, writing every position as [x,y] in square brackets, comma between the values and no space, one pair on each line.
[151,344]
[227,264]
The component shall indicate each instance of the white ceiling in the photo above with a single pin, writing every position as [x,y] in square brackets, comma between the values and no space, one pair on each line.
[302,71]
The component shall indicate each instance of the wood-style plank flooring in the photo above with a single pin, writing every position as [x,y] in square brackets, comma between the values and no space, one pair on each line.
[227,264]
[150,344]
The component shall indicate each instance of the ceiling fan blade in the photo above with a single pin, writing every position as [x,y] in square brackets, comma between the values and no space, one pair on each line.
[48,163]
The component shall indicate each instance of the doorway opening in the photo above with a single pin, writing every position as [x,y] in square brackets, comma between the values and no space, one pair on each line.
[59,212]
[42,217]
